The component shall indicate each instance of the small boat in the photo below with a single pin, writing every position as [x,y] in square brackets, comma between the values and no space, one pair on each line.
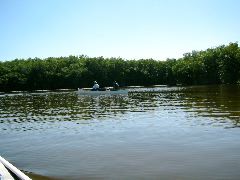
[102,92]
[10,172]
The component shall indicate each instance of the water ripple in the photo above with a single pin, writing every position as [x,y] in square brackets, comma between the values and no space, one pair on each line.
[27,112]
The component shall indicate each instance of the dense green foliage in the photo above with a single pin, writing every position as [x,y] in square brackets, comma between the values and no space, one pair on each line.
[220,65]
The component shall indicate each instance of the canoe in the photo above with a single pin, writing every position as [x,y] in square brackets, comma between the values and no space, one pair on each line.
[10,172]
[107,92]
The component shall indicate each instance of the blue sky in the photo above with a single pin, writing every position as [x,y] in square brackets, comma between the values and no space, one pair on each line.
[131,29]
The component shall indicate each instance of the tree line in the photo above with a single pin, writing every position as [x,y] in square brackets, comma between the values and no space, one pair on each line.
[219,65]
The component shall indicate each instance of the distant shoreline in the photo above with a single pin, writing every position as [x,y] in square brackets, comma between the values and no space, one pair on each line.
[220,65]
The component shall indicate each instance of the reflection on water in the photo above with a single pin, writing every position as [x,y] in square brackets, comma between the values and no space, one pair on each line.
[23,112]
[221,103]
[152,132]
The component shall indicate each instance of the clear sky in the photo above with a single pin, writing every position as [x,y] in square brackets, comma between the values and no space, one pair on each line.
[131,29]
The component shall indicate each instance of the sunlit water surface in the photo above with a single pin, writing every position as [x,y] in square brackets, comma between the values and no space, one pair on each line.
[151,133]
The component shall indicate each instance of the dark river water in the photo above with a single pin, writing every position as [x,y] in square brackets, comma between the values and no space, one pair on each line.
[151,133]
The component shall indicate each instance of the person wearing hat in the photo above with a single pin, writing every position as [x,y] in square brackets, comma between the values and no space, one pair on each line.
[95,86]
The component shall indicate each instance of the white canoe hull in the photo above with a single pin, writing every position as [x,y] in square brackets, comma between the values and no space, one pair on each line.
[107,92]
[4,173]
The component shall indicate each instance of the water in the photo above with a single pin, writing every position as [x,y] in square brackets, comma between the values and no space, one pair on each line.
[153,133]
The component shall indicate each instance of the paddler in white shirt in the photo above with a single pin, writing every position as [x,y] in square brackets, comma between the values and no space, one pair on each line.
[95,86]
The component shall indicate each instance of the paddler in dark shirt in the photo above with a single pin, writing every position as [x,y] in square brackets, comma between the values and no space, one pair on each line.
[115,85]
